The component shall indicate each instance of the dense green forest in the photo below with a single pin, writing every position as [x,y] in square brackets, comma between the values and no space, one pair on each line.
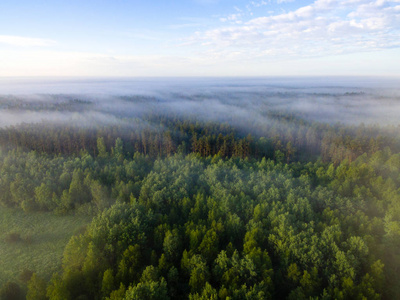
[187,208]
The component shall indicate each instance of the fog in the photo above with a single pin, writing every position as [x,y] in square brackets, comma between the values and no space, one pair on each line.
[238,101]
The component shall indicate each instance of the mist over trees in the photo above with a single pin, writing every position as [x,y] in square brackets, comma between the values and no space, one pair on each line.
[210,190]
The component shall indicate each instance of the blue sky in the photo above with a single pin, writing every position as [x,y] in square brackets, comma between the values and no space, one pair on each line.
[199,38]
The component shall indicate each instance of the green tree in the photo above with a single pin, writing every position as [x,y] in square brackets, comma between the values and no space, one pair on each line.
[36,288]
[101,148]
[208,293]
[149,290]
[172,245]
[118,150]
[107,285]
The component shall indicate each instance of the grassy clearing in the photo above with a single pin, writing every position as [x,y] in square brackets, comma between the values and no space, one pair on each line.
[34,241]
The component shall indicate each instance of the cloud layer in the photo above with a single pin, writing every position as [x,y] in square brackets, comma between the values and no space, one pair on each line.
[25,41]
[239,102]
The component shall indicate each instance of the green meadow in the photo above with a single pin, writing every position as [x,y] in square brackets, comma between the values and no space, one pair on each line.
[34,242]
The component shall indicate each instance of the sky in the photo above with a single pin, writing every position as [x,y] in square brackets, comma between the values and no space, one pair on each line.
[120,38]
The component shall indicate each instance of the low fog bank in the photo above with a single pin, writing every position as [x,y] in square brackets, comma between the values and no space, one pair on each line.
[238,101]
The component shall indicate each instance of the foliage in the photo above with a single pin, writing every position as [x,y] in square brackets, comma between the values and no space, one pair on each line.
[206,211]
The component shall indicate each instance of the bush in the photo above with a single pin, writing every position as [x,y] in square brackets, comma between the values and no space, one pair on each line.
[13,237]
[25,275]
[11,291]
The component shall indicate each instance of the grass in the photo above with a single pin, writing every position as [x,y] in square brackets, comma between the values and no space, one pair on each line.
[34,241]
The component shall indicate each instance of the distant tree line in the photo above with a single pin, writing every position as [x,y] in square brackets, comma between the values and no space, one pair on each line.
[162,136]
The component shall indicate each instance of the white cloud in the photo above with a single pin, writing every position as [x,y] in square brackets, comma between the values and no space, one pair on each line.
[61,63]
[222,62]
[25,41]
[323,28]
[259,3]
[284,1]
[234,18]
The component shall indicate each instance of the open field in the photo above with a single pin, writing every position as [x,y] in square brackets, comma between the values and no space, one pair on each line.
[37,243]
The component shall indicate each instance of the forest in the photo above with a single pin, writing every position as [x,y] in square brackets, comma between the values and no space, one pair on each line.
[272,202]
